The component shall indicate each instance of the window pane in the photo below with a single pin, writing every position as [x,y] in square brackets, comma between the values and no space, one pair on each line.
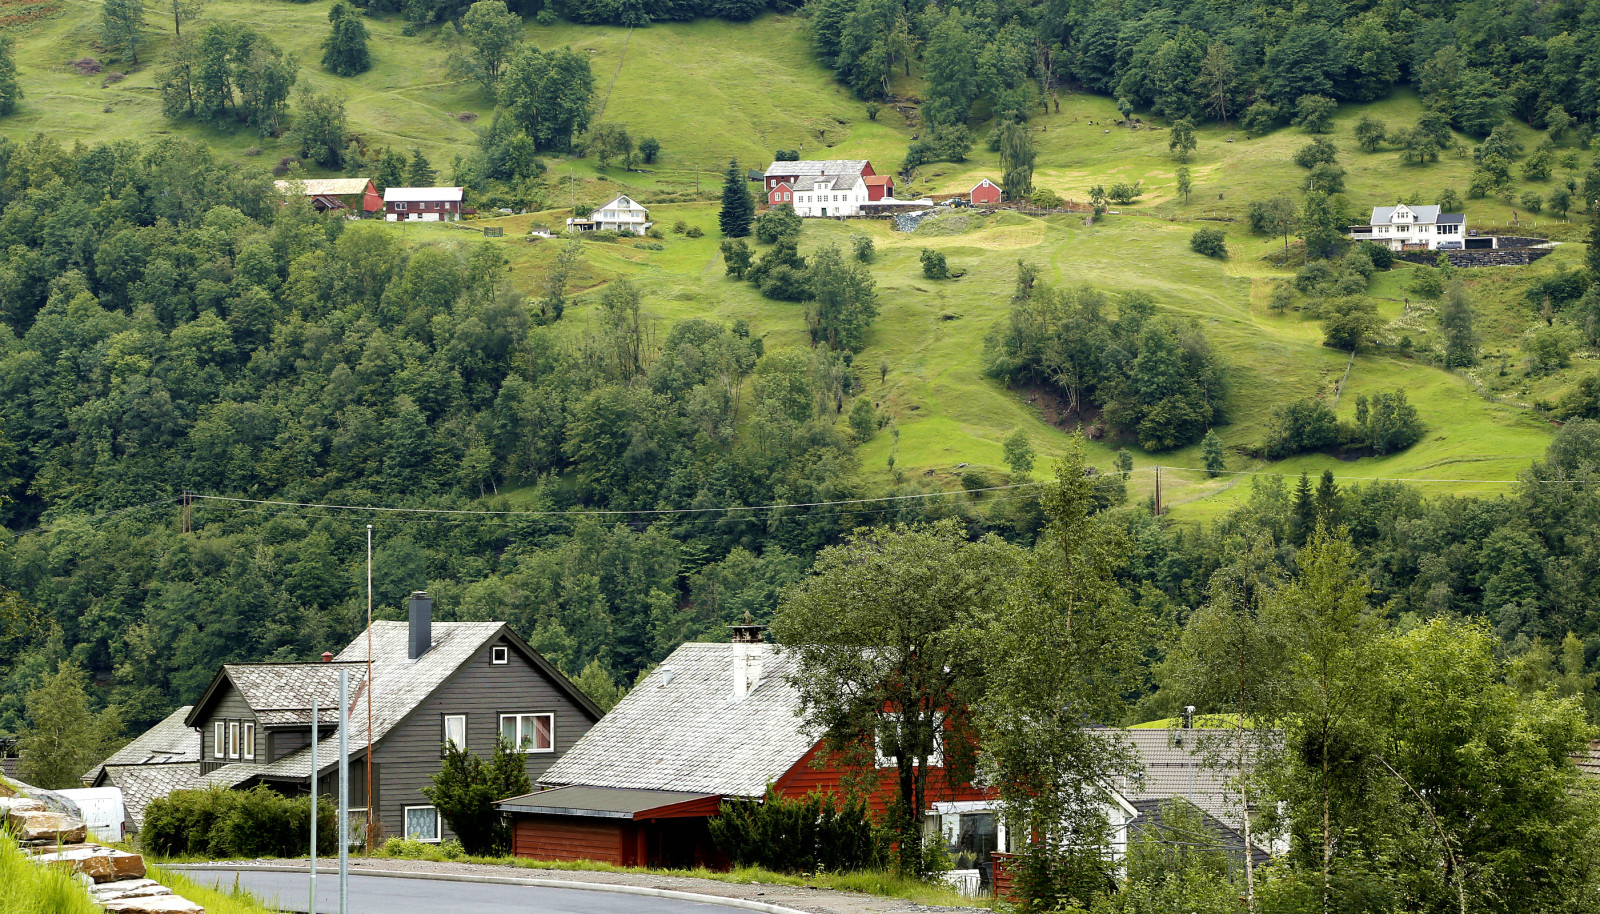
[525,732]
[508,729]
[544,725]
[455,730]
[422,823]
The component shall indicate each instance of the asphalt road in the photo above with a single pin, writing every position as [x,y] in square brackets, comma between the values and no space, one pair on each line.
[388,895]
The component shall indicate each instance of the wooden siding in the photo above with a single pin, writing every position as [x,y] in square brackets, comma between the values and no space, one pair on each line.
[1004,876]
[566,838]
[229,706]
[482,690]
[284,742]
[804,778]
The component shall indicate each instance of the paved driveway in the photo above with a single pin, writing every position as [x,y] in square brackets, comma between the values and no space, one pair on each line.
[389,895]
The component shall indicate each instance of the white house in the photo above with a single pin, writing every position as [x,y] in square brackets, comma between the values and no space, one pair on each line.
[826,187]
[624,214]
[1402,227]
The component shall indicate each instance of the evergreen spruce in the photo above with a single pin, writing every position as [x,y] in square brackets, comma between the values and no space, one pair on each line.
[738,209]
[10,90]
[1211,453]
[420,174]
[344,51]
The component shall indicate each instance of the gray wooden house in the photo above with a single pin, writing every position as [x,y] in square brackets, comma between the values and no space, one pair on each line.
[433,683]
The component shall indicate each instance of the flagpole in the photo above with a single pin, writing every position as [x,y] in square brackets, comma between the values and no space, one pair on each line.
[315,735]
[371,822]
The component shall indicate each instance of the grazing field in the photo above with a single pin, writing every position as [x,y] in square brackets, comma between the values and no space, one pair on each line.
[711,91]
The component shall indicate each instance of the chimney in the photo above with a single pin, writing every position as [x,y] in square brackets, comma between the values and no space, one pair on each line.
[327,656]
[421,623]
[747,657]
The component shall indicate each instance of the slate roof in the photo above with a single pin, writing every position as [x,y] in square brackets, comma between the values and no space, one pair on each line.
[422,194]
[681,729]
[142,783]
[1587,760]
[1151,818]
[817,167]
[598,802]
[281,693]
[1426,215]
[1172,770]
[825,182]
[316,187]
[169,741]
[1452,218]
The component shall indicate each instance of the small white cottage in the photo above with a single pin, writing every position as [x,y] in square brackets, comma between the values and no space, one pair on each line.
[624,214]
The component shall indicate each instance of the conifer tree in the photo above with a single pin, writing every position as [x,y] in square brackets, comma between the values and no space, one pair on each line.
[1211,451]
[420,174]
[738,210]
[344,51]
[10,90]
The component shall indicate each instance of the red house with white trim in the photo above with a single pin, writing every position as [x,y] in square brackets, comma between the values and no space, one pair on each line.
[984,193]
[424,204]
[712,722]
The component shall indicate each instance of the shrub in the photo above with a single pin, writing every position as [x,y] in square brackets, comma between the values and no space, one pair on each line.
[1044,198]
[1317,152]
[933,265]
[779,222]
[1303,425]
[1348,321]
[1382,258]
[236,823]
[1260,118]
[1313,277]
[546,17]
[679,227]
[1210,242]
[694,231]
[1532,202]
[1122,193]
[808,835]
[1326,177]
[1387,422]
[1426,283]
[864,250]
[466,788]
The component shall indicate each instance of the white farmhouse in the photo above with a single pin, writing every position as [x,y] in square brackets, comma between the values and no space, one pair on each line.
[1413,227]
[826,187]
[624,214]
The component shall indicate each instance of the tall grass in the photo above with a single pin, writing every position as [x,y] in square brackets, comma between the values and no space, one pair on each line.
[27,888]
[214,900]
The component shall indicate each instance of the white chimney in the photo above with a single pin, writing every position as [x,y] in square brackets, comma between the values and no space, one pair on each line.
[747,656]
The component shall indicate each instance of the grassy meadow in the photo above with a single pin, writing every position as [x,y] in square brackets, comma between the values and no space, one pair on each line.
[710,91]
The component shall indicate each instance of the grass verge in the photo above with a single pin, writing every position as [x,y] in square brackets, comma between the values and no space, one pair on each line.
[216,901]
[32,889]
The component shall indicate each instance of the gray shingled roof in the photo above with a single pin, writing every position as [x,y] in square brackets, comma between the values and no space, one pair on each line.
[1426,214]
[824,182]
[1172,770]
[681,729]
[1152,818]
[1452,218]
[142,783]
[281,693]
[168,741]
[817,167]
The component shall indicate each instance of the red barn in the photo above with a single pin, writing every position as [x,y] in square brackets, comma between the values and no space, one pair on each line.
[984,193]
[357,195]
[712,722]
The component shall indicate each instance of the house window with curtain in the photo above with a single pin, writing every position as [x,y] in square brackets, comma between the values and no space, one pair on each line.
[233,739]
[455,731]
[249,740]
[218,739]
[530,732]
[422,824]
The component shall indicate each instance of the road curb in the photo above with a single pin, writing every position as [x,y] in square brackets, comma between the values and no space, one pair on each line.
[762,906]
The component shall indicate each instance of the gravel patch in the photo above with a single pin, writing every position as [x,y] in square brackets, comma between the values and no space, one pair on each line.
[811,899]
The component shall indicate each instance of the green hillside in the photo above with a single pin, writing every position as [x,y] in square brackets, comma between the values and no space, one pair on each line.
[710,91]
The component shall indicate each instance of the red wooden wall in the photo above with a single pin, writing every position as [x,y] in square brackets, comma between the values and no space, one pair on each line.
[804,777]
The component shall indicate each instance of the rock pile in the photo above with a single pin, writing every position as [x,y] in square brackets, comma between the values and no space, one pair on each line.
[115,879]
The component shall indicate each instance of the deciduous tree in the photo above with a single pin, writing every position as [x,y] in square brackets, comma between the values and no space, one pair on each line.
[122,27]
[63,737]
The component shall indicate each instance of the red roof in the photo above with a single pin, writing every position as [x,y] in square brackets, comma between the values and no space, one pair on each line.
[878,179]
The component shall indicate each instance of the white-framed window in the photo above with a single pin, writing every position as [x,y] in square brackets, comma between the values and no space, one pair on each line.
[422,824]
[500,654]
[400,206]
[358,827]
[219,737]
[233,739]
[888,727]
[530,732]
[249,740]
[455,731]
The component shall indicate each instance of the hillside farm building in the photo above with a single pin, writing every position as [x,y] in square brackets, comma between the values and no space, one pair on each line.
[423,204]
[829,187]
[355,196]
[984,193]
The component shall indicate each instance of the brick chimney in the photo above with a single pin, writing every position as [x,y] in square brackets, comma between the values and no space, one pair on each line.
[747,657]
[327,656]
[421,624]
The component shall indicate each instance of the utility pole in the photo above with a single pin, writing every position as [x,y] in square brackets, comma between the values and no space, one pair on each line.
[315,735]
[697,179]
[1158,491]
[371,824]
[344,792]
